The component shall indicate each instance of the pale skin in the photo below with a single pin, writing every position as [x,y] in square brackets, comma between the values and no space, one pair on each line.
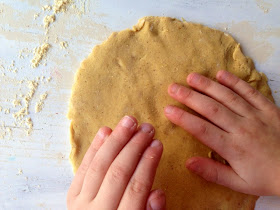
[243,126]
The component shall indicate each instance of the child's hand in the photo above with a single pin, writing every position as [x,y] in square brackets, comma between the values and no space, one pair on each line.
[118,170]
[244,129]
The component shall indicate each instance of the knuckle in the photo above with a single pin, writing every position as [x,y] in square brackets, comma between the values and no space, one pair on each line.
[138,186]
[83,169]
[96,167]
[184,93]
[213,109]
[251,93]
[238,151]
[212,176]
[235,81]
[242,130]
[180,114]
[232,97]
[276,113]
[202,129]
[118,173]
[205,82]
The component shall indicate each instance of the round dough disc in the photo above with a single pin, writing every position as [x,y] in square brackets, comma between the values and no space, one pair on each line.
[129,74]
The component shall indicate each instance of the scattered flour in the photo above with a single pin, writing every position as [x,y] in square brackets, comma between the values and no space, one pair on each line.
[61,5]
[29,124]
[39,53]
[48,20]
[7,111]
[36,16]
[20,172]
[47,8]
[16,103]
[21,116]
[63,45]
[39,105]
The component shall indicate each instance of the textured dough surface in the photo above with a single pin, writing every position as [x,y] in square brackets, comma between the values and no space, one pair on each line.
[129,74]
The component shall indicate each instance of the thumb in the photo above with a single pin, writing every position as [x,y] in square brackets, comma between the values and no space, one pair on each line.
[217,172]
[156,200]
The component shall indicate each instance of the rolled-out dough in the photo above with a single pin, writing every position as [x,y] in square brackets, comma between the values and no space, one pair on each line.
[129,74]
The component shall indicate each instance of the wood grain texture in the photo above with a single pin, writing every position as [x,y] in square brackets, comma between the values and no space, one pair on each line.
[34,170]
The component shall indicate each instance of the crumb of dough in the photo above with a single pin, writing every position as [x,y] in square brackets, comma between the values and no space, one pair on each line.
[16,102]
[24,53]
[46,33]
[7,111]
[63,45]
[33,85]
[9,131]
[39,105]
[36,16]
[1,108]
[139,25]
[39,53]
[12,67]
[29,124]
[20,54]
[48,20]
[49,79]
[21,116]
[20,172]
[60,5]
[2,134]
[47,8]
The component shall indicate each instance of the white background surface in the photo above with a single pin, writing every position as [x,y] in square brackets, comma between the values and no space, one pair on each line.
[34,170]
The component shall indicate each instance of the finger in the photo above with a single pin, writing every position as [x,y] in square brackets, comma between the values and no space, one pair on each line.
[106,154]
[121,170]
[98,140]
[204,131]
[140,184]
[206,106]
[216,172]
[220,93]
[242,88]
[156,200]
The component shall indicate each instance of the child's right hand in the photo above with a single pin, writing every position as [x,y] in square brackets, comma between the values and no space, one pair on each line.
[244,129]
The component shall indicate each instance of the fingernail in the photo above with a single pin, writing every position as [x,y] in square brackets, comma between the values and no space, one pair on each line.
[168,109]
[194,78]
[194,166]
[147,128]
[156,203]
[222,75]
[174,88]
[155,143]
[128,122]
[101,134]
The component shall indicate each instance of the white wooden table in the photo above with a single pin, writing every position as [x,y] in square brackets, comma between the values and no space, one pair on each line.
[34,170]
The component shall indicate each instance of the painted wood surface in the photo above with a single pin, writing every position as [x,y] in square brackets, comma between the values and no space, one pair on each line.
[34,169]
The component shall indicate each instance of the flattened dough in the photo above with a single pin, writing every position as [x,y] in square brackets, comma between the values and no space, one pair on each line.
[129,74]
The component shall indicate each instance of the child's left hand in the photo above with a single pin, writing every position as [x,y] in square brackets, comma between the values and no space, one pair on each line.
[118,170]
